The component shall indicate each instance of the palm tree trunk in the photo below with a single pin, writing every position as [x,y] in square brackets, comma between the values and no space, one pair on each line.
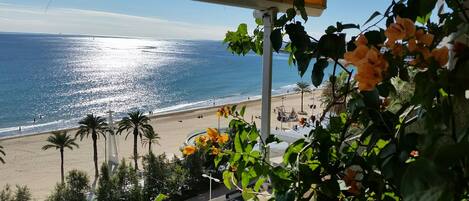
[302,101]
[95,156]
[62,164]
[135,148]
[149,146]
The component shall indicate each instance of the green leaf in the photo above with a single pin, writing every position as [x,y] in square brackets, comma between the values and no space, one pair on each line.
[331,29]
[451,153]
[248,194]
[375,14]
[341,27]
[425,7]
[271,139]
[371,98]
[314,164]
[351,44]
[424,19]
[332,45]
[237,143]
[160,197]
[291,13]
[227,178]
[330,188]
[317,74]
[281,21]
[385,89]
[233,108]
[245,179]
[218,159]
[242,28]
[300,5]
[259,183]
[422,182]
[243,109]
[276,38]
[375,38]
[259,21]
[292,151]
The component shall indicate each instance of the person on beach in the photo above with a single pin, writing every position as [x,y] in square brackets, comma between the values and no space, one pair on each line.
[19,128]
[34,120]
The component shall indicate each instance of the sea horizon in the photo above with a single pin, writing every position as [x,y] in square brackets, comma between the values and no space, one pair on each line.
[50,81]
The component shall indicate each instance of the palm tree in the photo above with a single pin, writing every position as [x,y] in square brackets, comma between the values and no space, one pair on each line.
[2,153]
[150,137]
[138,123]
[93,125]
[60,140]
[327,96]
[302,87]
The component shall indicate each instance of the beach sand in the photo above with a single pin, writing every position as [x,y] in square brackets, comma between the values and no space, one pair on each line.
[27,164]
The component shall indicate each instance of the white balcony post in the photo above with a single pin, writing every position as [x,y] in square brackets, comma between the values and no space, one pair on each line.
[268,17]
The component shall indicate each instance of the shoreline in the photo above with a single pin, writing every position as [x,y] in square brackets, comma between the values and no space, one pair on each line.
[27,164]
[160,114]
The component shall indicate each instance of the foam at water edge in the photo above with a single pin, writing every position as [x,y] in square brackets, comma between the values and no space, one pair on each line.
[72,123]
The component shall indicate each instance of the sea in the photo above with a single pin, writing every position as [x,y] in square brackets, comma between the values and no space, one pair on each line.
[49,82]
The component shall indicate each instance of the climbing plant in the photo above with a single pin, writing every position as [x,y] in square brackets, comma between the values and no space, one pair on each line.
[388,144]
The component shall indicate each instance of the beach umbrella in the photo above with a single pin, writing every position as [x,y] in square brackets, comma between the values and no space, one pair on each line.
[267,11]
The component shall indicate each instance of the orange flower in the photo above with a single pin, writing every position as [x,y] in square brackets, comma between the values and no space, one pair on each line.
[202,140]
[370,70]
[213,134]
[376,59]
[398,50]
[224,111]
[189,150]
[223,138]
[370,64]
[233,168]
[361,40]
[367,77]
[424,38]
[356,55]
[441,55]
[351,179]
[403,28]
[214,151]
[420,43]
[412,45]
[420,58]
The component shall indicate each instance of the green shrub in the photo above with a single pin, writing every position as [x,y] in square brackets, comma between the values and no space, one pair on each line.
[126,181]
[106,188]
[121,185]
[155,173]
[75,188]
[22,193]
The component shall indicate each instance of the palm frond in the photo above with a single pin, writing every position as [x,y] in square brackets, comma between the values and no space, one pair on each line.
[60,140]
[49,146]
[303,87]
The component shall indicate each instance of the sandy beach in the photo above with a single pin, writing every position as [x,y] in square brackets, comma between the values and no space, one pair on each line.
[27,164]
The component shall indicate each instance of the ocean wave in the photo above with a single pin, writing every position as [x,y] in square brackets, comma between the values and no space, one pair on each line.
[72,123]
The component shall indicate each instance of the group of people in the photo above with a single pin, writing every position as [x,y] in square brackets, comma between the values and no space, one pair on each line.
[34,121]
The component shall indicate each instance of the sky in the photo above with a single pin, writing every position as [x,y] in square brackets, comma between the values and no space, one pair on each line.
[160,19]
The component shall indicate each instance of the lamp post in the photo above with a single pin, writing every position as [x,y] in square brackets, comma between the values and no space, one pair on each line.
[111,145]
[210,178]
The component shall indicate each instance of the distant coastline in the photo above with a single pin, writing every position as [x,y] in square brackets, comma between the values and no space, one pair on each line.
[162,114]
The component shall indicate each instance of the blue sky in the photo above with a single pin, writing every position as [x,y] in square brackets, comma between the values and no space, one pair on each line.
[180,19]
